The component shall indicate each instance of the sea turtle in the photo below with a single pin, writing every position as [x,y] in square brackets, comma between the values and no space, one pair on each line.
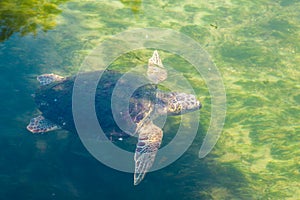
[54,100]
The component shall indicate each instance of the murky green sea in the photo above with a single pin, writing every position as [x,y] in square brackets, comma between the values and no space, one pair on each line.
[256,48]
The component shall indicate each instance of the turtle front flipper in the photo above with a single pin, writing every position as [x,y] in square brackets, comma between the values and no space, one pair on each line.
[46,79]
[156,71]
[41,125]
[150,137]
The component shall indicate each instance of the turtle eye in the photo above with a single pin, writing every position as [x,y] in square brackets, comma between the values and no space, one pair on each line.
[179,108]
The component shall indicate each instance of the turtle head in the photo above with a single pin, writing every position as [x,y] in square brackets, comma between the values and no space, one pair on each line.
[180,103]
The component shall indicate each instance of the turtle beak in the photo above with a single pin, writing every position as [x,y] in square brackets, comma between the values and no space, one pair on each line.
[198,104]
[191,103]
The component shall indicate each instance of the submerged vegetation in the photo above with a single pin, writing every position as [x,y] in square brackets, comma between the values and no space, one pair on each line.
[27,16]
[134,5]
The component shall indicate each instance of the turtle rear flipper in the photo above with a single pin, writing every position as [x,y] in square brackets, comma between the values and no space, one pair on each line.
[41,125]
[46,79]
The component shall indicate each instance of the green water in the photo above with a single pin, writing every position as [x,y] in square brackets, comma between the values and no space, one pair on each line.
[254,44]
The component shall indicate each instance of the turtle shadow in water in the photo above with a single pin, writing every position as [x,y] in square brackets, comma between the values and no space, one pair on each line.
[205,178]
